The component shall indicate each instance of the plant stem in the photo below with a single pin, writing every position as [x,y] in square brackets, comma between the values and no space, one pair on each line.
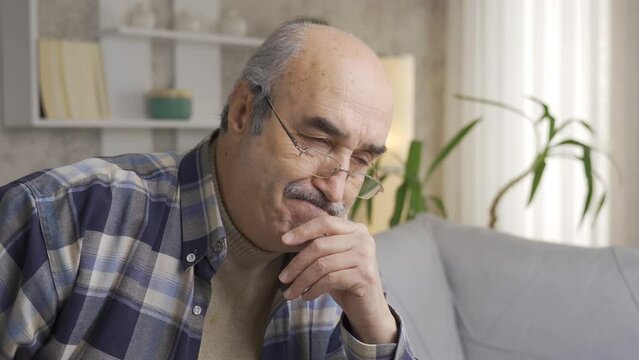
[502,192]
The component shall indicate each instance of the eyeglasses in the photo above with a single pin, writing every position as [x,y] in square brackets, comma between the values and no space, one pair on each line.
[360,173]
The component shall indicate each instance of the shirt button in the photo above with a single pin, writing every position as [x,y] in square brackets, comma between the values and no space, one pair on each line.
[197,310]
[217,246]
[190,257]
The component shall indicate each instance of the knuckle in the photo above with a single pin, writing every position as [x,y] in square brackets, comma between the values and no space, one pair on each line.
[367,248]
[359,292]
[331,279]
[369,273]
[317,245]
[300,232]
[297,290]
[369,245]
[295,264]
[321,265]
[361,228]
[322,244]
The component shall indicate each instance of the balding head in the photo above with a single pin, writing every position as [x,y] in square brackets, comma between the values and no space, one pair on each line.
[309,42]
[338,62]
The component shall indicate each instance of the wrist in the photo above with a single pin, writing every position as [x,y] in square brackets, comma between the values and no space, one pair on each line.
[380,329]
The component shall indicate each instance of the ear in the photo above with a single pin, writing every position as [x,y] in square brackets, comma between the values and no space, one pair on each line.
[240,107]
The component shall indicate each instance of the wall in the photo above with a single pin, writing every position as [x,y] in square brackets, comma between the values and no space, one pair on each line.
[389,27]
[624,90]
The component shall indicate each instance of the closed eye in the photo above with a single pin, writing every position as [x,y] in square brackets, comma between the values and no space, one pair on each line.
[326,143]
[362,161]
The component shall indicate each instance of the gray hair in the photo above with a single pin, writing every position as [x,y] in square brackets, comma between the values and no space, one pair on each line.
[266,66]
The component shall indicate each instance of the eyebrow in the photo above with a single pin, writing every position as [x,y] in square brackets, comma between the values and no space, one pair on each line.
[324,125]
[376,149]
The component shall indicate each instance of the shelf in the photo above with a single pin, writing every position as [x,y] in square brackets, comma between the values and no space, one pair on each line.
[127,56]
[128,124]
[198,37]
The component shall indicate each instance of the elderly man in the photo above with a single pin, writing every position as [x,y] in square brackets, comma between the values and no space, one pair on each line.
[238,249]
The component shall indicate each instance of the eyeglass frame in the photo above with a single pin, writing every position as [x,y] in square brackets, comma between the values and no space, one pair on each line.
[303,150]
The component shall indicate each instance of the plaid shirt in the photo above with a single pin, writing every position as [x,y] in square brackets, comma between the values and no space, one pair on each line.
[112,258]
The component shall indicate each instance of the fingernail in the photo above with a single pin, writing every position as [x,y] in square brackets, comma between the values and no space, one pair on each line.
[284,276]
[288,237]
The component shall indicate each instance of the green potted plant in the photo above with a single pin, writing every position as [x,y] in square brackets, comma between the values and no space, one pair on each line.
[554,145]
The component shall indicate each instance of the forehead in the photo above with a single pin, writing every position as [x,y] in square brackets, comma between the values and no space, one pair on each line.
[350,95]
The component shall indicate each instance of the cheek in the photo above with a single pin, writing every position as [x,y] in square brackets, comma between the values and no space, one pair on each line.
[349,199]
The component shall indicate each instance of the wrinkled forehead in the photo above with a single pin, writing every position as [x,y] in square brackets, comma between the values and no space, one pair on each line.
[356,110]
[347,86]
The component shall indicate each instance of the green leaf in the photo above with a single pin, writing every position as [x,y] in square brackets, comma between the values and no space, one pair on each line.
[541,103]
[573,142]
[587,162]
[546,115]
[416,203]
[439,203]
[600,206]
[369,210]
[551,127]
[599,151]
[446,150]
[583,123]
[493,103]
[538,171]
[411,173]
[578,158]
[400,198]
[413,161]
[589,181]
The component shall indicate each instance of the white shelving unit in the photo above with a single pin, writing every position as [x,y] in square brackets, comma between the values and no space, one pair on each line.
[125,124]
[127,59]
[193,37]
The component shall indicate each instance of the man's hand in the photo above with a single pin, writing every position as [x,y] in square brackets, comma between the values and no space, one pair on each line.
[339,258]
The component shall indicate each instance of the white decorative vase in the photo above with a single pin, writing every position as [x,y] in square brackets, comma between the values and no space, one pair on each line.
[185,21]
[142,16]
[232,24]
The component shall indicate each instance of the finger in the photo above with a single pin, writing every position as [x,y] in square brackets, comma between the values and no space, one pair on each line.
[318,248]
[320,226]
[338,280]
[317,270]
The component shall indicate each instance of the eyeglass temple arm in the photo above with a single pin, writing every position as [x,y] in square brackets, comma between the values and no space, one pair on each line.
[277,116]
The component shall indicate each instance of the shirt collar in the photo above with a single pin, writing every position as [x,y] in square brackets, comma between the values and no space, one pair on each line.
[200,215]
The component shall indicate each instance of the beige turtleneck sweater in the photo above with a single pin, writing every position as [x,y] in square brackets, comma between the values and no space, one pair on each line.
[243,291]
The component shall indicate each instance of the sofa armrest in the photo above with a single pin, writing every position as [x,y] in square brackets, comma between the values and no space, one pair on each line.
[416,287]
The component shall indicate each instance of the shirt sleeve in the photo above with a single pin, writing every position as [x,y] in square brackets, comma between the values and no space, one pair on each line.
[28,299]
[356,349]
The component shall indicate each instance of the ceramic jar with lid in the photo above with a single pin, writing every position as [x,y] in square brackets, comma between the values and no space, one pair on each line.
[232,24]
[141,15]
[185,21]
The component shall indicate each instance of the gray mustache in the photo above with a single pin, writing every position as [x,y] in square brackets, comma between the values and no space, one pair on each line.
[296,190]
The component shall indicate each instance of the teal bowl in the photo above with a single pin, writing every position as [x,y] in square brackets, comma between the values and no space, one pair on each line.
[169,108]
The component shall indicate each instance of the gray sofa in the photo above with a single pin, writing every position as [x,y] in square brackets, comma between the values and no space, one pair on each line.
[474,294]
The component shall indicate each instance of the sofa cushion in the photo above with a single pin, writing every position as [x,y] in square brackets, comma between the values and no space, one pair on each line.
[416,287]
[523,299]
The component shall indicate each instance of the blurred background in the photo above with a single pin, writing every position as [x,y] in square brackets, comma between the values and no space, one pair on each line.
[100,77]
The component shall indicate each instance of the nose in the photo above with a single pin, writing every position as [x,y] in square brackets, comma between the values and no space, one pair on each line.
[332,187]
